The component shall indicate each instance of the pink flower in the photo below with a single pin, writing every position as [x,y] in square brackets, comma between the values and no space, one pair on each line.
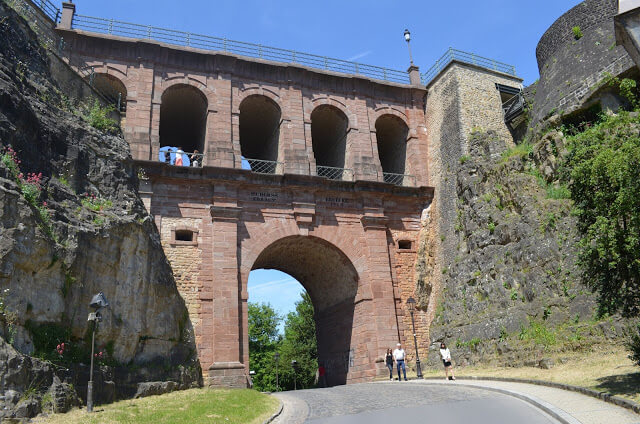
[44,204]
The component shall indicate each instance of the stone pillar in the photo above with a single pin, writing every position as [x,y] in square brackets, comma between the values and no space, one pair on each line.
[414,75]
[380,283]
[68,10]
[226,321]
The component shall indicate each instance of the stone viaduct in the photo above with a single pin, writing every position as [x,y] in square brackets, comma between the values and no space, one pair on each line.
[339,194]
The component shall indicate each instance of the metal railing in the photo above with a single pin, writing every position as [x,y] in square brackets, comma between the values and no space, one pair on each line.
[206,42]
[399,179]
[473,59]
[333,173]
[260,166]
[48,9]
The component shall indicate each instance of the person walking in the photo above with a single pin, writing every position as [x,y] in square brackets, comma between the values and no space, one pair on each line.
[446,360]
[399,355]
[388,359]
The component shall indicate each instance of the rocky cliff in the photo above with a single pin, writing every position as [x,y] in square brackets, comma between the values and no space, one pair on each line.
[71,225]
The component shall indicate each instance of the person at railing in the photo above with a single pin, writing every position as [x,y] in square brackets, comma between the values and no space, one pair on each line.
[179,153]
[167,156]
[195,159]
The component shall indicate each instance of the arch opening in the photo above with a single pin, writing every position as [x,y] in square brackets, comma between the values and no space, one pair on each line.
[183,118]
[260,131]
[391,135]
[112,89]
[331,281]
[329,127]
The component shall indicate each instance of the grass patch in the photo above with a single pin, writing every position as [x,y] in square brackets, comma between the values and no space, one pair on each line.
[194,406]
[521,150]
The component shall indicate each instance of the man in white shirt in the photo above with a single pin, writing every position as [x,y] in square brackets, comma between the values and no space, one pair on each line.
[399,357]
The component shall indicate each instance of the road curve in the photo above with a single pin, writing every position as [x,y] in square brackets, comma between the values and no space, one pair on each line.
[401,402]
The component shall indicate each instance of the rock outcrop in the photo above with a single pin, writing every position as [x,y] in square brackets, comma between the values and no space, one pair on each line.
[515,256]
[82,229]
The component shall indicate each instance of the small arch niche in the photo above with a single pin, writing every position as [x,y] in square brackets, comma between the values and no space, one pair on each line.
[184,236]
[405,245]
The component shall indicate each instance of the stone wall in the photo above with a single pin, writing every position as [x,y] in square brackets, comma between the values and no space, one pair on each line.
[571,68]
[462,99]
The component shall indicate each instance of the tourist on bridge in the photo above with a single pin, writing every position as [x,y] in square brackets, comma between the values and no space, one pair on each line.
[195,159]
[399,356]
[388,359]
[446,360]
[179,153]
[167,156]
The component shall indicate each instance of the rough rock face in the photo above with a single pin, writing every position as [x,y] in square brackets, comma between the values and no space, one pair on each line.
[516,249]
[92,234]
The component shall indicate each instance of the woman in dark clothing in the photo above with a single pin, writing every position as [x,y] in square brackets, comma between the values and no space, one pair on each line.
[389,361]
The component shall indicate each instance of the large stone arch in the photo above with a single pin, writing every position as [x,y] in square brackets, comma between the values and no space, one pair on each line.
[183,117]
[326,100]
[259,129]
[244,92]
[332,282]
[392,134]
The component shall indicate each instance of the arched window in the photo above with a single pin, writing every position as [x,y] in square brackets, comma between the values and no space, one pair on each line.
[260,133]
[112,89]
[183,116]
[329,139]
[391,135]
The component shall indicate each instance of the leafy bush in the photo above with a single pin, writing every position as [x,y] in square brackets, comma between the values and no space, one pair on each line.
[604,162]
[538,333]
[98,118]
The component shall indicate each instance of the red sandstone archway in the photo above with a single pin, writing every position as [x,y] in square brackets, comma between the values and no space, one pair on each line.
[391,136]
[183,115]
[332,283]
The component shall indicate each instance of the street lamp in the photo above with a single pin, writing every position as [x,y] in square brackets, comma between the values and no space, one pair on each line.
[411,303]
[97,302]
[294,365]
[276,357]
[407,38]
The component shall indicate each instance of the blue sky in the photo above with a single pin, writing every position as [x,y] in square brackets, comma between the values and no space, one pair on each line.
[365,31]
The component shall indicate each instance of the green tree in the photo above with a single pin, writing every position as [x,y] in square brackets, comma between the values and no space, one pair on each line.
[264,341]
[605,185]
[299,344]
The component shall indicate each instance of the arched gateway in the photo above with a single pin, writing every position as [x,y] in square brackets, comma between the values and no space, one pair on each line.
[351,245]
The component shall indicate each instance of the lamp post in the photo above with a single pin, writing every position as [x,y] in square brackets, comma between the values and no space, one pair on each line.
[407,37]
[411,303]
[294,365]
[97,302]
[276,357]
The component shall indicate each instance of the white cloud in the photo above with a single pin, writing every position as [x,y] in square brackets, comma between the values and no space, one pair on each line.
[359,55]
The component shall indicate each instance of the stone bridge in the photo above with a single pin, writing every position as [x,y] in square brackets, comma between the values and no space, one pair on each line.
[338,193]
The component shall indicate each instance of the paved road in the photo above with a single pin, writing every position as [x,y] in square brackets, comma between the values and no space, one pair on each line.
[400,402]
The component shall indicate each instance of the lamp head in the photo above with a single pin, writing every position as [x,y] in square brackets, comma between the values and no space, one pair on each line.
[407,35]
[99,301]
[411,304]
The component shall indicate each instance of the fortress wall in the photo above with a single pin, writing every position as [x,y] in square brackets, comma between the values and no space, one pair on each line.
[571,69]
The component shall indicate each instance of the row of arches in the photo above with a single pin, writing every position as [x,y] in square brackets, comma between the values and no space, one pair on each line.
[183,116]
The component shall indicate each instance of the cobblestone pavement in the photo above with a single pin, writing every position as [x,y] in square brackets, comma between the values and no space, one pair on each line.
[375,403]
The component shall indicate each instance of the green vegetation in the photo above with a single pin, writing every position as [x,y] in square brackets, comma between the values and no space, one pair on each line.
[98,117]
[298,343]
[194,406]
[464,158]
[605,163]
[538,333]
[577,32]
[522,150]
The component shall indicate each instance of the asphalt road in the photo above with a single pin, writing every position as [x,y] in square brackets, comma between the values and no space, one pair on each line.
[401,402]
